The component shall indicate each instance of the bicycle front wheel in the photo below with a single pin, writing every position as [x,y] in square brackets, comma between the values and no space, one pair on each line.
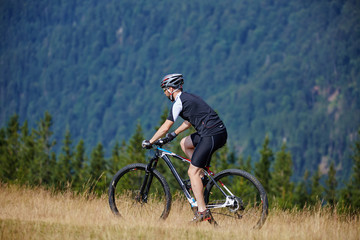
[246,204]
[135,192]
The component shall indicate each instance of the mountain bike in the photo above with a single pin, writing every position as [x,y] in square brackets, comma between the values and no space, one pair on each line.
[232,195]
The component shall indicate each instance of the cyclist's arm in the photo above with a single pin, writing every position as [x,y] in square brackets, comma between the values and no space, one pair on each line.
[185,125]
[162,130]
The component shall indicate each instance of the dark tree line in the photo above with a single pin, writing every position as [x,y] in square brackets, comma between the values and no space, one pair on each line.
[280,67]
[27,158]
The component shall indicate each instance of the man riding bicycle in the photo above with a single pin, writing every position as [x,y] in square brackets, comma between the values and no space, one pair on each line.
[210,135]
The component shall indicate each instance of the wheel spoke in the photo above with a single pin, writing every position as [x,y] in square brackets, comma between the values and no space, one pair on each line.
[125,195]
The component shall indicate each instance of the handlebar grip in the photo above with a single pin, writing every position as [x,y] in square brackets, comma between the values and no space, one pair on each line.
[161,141]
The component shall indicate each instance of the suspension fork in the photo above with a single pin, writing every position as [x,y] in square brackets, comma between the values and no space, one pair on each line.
[145,187]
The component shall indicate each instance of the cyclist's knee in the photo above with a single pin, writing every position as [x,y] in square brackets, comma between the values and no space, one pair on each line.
[194,171]
[186,143]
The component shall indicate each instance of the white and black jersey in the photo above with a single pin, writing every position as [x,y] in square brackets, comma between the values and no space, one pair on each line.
[196,111]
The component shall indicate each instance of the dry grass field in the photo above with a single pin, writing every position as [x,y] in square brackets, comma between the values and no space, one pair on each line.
[39,214]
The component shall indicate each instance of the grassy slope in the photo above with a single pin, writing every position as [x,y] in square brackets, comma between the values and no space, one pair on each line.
[39,214]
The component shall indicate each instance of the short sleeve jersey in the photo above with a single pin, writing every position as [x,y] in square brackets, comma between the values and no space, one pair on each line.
[196,111]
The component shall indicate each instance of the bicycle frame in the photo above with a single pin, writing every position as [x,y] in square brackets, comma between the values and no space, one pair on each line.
[164,154]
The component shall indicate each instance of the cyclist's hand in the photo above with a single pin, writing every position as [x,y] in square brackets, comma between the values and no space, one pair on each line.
[146,144]
[171,136]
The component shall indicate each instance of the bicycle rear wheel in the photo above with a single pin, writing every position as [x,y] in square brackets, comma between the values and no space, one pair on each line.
[133,194]
[249,203]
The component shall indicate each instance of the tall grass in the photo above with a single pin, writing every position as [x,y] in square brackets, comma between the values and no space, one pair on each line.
[36,213]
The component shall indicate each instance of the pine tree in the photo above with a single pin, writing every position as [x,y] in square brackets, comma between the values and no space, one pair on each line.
[248,166]
[3,160]
[9,162]
[219,160]
[232,159]
[356,163]
[281,187]
[64,168]
[331,184]
[262,168]
[79,167]
[355,181]
[41,169]
[98,169]
[301,192]
[117,159]
[245,165]
[350,195]
[27,150]
[316,195]
[51,180]
[135,152]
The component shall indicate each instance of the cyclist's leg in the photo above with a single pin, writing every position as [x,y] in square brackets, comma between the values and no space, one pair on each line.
[187,146]
[204,148]
[197,187]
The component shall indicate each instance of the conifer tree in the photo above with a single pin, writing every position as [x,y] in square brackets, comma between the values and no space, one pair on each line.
[27,152]
[3,159]
[219,159]
[350,195]
[135,152]
[262,168]
[281,187]
[98,169]
[232,159]
[356,163]
[117,159]
[316,195]
[301,192]
[80,168]
[41,169]
[9,161]
[64,168]
[331,184]
[51,181]
[245,165]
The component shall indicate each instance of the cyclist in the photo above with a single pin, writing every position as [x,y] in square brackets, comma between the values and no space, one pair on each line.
[211,135]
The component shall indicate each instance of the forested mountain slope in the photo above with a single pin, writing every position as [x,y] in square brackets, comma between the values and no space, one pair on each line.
[289,69]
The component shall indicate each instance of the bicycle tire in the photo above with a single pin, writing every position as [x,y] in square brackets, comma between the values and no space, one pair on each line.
[124,193]
[250,206]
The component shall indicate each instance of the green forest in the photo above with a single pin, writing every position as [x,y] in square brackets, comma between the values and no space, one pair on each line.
[80,79]
[27,159]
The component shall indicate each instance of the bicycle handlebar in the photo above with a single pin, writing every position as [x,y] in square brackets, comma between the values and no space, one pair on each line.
[162,141]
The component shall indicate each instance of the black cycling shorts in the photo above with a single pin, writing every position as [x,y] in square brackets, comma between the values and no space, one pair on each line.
[205,147]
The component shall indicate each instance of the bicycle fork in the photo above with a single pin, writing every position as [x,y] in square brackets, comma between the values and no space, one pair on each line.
[145,186]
